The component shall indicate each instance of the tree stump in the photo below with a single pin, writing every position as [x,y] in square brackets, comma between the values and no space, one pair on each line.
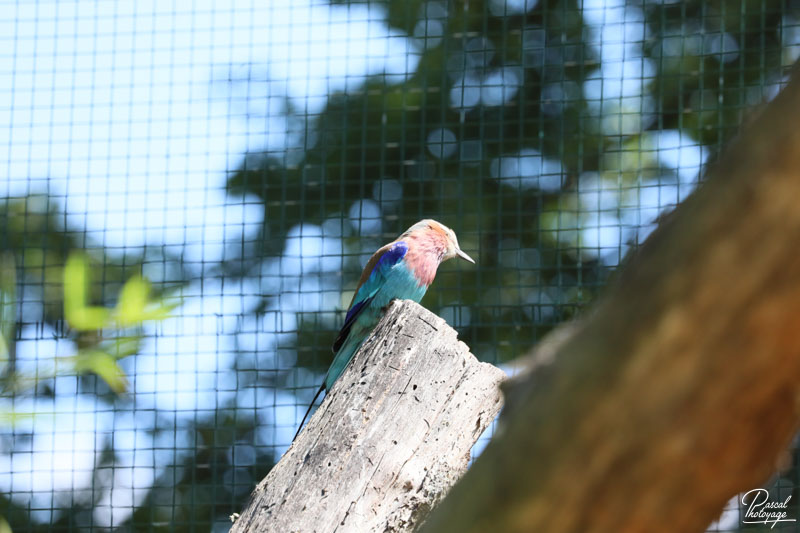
[389,440]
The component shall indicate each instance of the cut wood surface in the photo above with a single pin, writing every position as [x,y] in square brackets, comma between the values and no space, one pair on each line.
[390,439]
[681,387]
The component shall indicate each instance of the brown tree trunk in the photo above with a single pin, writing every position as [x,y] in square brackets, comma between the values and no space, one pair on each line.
[391,438]
[681,388]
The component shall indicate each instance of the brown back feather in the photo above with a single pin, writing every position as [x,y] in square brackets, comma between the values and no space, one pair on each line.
[368,269]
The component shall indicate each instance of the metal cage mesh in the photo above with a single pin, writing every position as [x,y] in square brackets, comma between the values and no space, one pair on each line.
[247,157]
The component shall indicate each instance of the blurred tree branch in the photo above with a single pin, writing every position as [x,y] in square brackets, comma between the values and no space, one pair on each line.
[680,389]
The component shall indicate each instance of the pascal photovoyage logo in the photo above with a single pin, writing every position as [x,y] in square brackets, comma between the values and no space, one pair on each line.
[760,510]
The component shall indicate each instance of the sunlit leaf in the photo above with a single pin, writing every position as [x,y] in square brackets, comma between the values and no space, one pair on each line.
[159,311]
[3,351]
[132,301]
[4,527]
[8,304]
[134,307]
[104,365]
[124,346]
[78,314]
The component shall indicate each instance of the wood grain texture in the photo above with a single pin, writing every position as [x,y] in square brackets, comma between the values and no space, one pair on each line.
[681,387]
[390,439]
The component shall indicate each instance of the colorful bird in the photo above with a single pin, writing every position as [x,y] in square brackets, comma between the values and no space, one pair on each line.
[403,269]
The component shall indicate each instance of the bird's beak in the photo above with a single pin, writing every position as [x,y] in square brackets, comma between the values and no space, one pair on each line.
[464,256]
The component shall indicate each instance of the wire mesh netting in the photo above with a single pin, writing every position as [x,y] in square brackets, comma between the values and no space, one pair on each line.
[190,191]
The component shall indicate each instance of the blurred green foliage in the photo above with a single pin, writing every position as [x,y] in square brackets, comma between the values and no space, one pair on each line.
[206,488]
[34,246]
[713,58]
[443,141]
[382,132]
[133,309]
[102,335]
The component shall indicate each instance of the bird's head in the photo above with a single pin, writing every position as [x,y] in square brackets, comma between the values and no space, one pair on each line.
[441,234]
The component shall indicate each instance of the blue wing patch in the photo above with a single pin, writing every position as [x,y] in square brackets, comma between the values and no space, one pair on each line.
[391,256]
[370,286]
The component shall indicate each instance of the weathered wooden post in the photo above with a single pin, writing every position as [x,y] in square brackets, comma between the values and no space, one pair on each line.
[389,441]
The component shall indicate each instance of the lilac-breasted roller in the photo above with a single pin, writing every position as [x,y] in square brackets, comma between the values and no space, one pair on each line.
[403,269]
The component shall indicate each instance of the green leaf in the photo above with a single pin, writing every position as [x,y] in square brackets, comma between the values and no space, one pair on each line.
[3,352]
[78,314]
[123,346]
[8,304]
[104,365]
[133,306]
[159,311]
[130,308]
[4,527]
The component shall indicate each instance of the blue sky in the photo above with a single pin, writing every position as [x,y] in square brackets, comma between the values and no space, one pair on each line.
[123,111]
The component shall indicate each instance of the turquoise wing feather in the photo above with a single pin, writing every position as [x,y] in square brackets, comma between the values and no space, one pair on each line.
[368,301]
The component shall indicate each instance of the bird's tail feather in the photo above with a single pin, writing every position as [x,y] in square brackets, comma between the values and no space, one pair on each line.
[321,388]
[343,357]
